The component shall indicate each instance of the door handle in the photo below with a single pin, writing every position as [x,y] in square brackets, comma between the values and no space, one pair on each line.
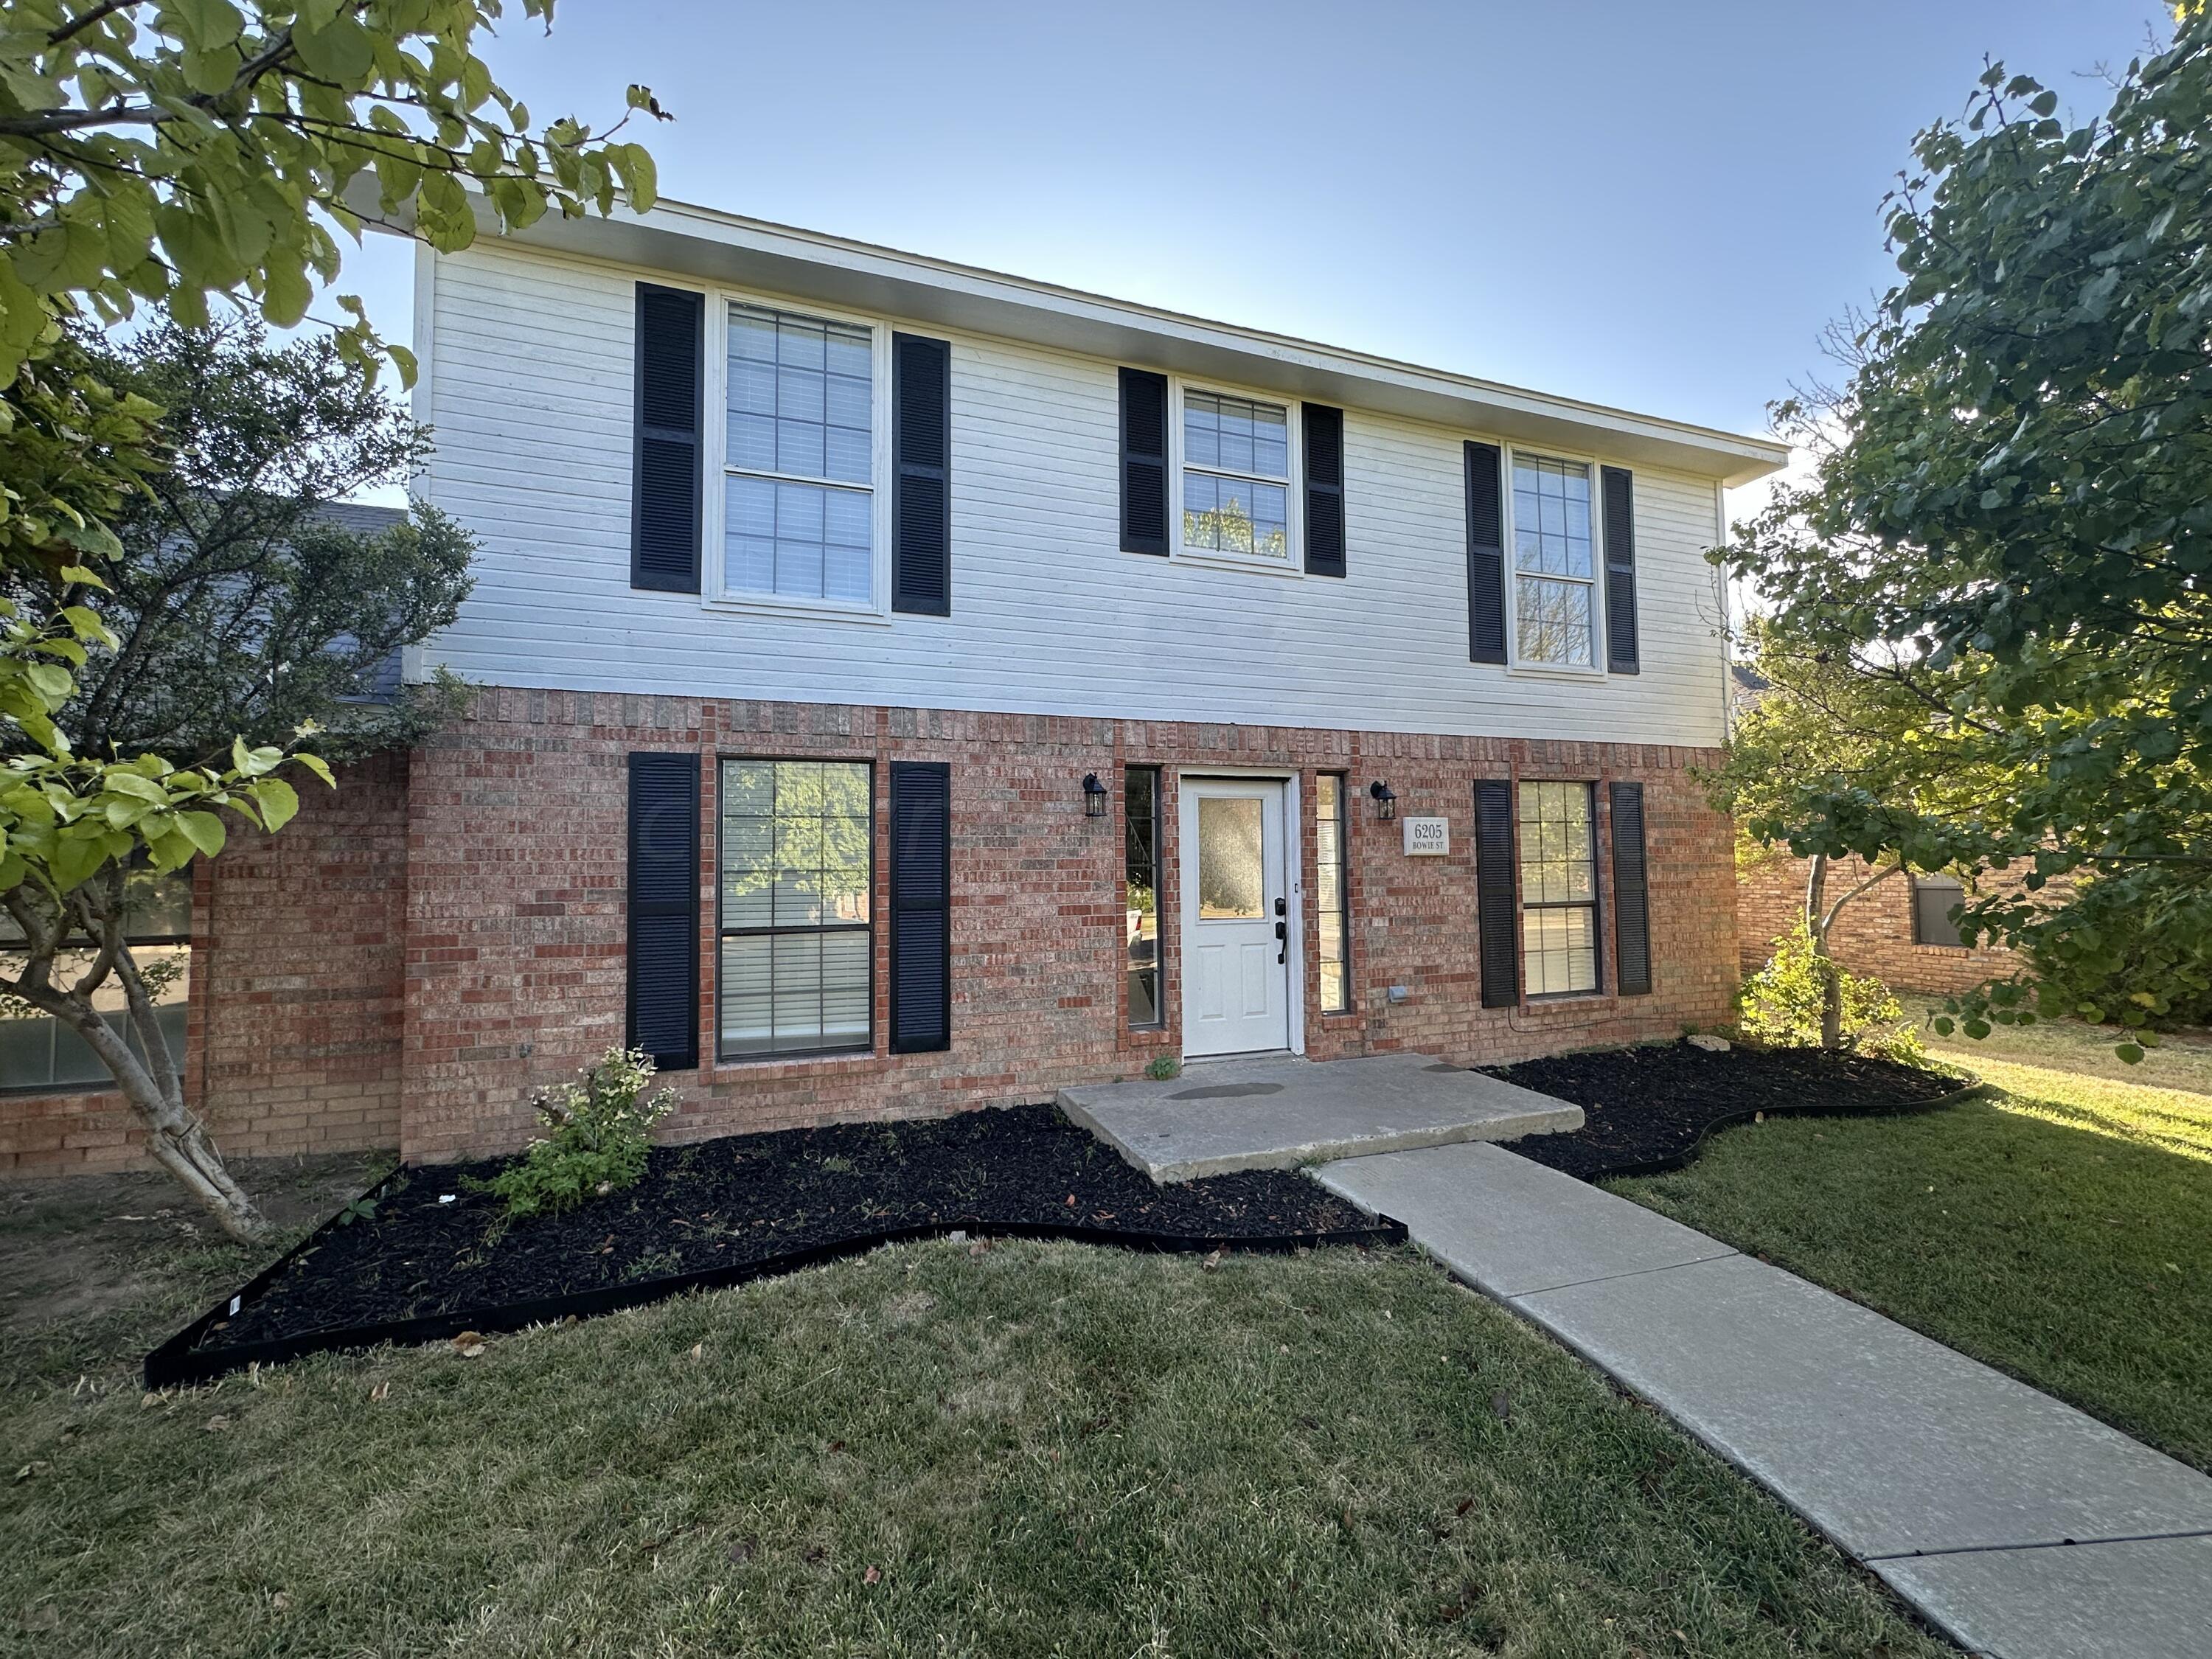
[1283,938]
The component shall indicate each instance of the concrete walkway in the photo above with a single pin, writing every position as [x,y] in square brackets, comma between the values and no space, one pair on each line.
[1277,1113]
[2021,1527]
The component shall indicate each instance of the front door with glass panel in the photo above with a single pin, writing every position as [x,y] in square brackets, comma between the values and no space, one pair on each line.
[1235,918]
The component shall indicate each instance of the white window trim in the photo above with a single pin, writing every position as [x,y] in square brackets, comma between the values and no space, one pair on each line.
[713,594]
[1294,529]
[1515,662]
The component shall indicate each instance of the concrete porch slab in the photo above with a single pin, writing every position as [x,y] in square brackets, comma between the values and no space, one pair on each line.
[1277,1112]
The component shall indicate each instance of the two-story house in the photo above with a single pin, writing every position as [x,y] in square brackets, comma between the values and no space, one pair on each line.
[909,687]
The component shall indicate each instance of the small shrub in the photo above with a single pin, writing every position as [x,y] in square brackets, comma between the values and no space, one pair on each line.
[596,1138]
[1165,1069]
[1780,1005]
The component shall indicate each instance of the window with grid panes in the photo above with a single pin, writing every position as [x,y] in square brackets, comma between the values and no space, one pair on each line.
[1559,888]
[798,458]
[1236,476]
[1555,569]
[797,871]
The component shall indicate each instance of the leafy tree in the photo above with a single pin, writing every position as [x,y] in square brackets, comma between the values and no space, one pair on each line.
[185,152]
[2014,525]
[1824,729]
[242,606]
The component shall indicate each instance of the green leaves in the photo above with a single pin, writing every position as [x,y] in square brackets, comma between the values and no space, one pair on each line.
[2009,525]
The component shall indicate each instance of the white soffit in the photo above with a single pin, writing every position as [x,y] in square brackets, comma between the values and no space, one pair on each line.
[709,247]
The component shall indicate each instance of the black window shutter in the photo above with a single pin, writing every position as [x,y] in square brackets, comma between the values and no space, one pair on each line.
[921,457]
[1496,883]
[664,538]
[1485,554]
[1324,440]
[1144,462]
[922,906]
[1632,893]
[1619,487]
[663,1014]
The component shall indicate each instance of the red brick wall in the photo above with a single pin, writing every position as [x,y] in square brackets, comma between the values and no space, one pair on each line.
[515,954]
[418,953]
[294,1025]
[1873,934]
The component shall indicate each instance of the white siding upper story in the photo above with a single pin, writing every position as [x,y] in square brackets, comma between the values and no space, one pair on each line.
[527,380]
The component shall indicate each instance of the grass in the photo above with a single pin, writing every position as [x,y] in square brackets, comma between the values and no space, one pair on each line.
[1034,1449]
[2055,1231]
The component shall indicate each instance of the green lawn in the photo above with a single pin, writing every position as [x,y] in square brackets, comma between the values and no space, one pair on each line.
[2058,1230]
[1035,1448]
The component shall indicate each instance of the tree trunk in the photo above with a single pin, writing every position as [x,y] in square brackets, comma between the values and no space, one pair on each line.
[176,1138]
[1818,921]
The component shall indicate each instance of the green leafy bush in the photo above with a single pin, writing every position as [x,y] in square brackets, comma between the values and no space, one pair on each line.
[1781,1004]
[597,1136]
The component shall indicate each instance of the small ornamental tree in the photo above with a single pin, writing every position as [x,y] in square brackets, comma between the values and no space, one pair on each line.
[2018,504]
[192,153]
[242,615]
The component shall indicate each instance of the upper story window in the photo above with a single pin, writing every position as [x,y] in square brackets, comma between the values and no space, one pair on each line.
[1554,567]
[799,508]
[1235,476]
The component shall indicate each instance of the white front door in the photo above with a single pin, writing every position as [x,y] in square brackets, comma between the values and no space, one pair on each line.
[1236,917]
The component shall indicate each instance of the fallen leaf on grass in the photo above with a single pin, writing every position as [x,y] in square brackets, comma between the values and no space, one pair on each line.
[281,1601]
[469,1344]
[872,1576]
[1211,1261]
[380,1393]
[698,1350]
[216,1424]
[31,1471]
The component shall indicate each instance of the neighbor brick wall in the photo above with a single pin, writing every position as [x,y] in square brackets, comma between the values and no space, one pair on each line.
[1872,935]
[294,1021]
[514,959]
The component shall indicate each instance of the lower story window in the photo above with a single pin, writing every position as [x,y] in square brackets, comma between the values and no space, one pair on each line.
[796,851]
[1935,902]
[37,1051]
[1333,900]
[1559,888]
[1141,878]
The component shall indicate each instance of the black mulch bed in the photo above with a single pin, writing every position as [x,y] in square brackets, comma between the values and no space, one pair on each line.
[1649,1109]
[723,1211]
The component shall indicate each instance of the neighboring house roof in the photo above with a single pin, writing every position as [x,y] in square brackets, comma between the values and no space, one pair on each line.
[361,518]
[709,245]
[365,519]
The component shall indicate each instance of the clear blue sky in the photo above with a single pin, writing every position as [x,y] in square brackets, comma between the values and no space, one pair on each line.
[1652,206]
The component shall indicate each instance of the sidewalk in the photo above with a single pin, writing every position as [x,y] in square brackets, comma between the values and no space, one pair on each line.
[2018,1526]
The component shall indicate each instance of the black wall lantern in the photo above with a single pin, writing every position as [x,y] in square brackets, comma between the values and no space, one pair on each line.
[1386,804]
[1094,796]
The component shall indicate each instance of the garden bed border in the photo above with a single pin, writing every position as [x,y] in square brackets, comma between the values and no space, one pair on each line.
[1682,1160]
[180,1361]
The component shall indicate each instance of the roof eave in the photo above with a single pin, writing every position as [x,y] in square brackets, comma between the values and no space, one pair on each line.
[712,246]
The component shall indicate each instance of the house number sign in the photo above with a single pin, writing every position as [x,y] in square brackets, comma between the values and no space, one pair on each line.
[1427,837]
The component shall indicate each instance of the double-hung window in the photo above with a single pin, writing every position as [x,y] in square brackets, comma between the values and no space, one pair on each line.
[1235,476]
[1555,609]
[798,870]
[798,459]
[1936,902]
[1559,888]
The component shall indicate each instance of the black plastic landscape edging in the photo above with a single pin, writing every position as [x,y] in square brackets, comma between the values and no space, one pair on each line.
[182,1361]
[1682,1160]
